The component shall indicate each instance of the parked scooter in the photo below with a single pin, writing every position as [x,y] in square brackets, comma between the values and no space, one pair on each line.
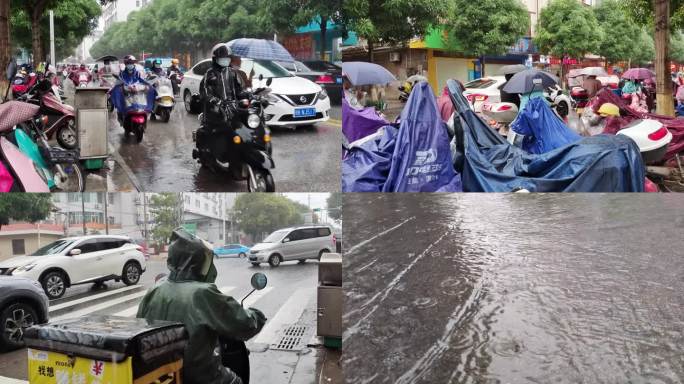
[243,149]
[61,117]
[234,353]
[579,97]
[501,115]
[164,102]
[22,82]
[560,102]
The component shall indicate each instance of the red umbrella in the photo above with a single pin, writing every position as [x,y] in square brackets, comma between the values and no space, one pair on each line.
[638,74]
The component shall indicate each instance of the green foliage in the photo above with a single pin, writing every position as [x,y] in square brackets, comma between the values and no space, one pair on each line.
[620,32]
[167,211]
[258,213]
[166,26]
[567,27]
[644,49]
[677,46]
[392,21]
[642,12]
[334,203]
[74,20]
[29,207]
[486,27]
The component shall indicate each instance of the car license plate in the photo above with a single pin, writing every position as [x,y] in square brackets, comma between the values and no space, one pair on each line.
[304,112]
[338,80]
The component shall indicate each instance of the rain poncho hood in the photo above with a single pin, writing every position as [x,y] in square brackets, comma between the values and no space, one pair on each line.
[129,78]
[543,130]
[359,123]
[190,297]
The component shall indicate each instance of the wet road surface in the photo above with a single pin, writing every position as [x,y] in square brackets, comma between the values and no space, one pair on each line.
[306,159]
[537,288]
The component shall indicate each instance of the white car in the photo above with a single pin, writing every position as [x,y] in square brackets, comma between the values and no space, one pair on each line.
[294,100]
[79,260]
[299,243]
[483,90]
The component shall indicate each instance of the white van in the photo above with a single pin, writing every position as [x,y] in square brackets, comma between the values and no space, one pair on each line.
[299,243]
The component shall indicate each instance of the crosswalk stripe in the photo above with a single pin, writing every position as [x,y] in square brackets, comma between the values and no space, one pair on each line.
[256,296]
[288,313]
[92,297]
[133,310]
[101,306]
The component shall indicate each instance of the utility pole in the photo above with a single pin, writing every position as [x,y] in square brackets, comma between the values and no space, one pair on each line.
[52,38]
[232,228]
[83,212]
[223,216]
[147,238]
[106,195]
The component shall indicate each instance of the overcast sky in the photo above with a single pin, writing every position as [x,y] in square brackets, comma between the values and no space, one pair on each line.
[318,200]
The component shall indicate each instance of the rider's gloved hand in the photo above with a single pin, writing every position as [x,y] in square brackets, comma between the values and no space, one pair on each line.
[261,318]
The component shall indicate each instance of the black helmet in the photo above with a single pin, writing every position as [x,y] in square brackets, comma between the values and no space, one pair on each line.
[221,50]
[130,59]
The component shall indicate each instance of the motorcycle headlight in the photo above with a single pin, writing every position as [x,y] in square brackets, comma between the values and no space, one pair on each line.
[322,95]
[253,121]
[272,99]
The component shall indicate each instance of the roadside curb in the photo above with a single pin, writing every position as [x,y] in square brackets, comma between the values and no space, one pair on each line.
[333,122]
[122,163]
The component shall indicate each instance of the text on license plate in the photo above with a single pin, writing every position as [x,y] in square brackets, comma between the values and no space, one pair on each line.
[304,112]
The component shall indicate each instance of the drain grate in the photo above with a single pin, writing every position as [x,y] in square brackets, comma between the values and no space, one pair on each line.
[291,339]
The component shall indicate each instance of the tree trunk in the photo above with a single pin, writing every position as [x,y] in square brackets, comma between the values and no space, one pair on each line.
[370,51]
[662,65]
[324,29]
[482,66]
[35,11]
[5,52]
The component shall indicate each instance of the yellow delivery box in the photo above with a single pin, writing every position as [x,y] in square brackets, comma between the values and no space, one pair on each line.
[106,350]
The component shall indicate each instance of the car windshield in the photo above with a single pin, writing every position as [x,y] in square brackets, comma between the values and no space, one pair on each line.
[479,84]
[52,248]
[267,68]
[275,237]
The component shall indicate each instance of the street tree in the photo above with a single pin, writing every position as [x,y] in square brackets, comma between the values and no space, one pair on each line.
[334,203]
[677,46]
[286,15]
[644,49]
[620,33]
[5,41]
[567,28]
[167,211]
[261,213]
[485,27]
[391,22]
[29,207]
[662,16]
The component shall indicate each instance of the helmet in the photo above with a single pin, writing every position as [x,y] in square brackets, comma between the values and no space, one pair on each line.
[609,109]
[174,61]
[130,59]
[221,50]
[157,61]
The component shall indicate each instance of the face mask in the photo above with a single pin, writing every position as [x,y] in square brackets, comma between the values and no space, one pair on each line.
[223,61]
[130,67]
[157,66]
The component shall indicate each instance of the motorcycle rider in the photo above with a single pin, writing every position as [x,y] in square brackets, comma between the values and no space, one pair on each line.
[129,76]
[174,79]
[190,296]
[157,68]
[219,88]
[236,65]
[76,73]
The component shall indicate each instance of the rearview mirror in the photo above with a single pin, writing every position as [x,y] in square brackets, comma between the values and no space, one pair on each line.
[286,240]
[75,252]
[259,281]
[11,69]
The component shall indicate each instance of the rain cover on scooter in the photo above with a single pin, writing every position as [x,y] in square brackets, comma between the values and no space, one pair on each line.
[189,296]
[119,99]
[594,164]
[366,165]
[421,161]
[357,124]
[543,130]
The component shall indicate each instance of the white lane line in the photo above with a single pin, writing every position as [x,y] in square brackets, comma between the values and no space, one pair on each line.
[133,310]
[98,307]
[93,297]
[289,313]
[361,244]
[256,296]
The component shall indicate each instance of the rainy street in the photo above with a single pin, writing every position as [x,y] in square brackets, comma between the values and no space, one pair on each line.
[513,288]
[289,298]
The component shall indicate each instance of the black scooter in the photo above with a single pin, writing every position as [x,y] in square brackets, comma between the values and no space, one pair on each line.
[242,148]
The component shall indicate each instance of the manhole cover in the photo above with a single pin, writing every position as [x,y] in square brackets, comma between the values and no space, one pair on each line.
[291,339]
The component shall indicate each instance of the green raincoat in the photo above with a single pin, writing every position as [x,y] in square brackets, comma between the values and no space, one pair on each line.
[190,296]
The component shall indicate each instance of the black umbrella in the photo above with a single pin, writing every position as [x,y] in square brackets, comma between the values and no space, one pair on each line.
[524,82]
[511,69]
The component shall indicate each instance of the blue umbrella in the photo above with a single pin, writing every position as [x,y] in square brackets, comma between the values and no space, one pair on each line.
[362,73]
[260,49]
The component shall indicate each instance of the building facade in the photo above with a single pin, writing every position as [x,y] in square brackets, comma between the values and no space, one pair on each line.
[117,11]
[210,216]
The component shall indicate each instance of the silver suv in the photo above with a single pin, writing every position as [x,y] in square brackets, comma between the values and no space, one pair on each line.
[22,304]
[299,243]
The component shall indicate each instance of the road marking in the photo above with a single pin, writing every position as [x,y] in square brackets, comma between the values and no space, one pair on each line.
[337,123]
[133,310]
[289,313]
[101,306]
[93,297]
[256,296]
[361,244]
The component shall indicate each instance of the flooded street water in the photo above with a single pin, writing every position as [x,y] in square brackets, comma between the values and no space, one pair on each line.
[578,288]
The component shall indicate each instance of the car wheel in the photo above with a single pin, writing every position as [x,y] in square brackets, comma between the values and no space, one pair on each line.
[13,321]
[242,255]
[187,101]
[274,260]
[54,284]
[256,264]
[320,254]
[563,109]
[131,273]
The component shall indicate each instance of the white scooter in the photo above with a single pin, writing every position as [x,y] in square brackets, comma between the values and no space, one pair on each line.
[500,116]
[164,102]
[560,102]
[82,80]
